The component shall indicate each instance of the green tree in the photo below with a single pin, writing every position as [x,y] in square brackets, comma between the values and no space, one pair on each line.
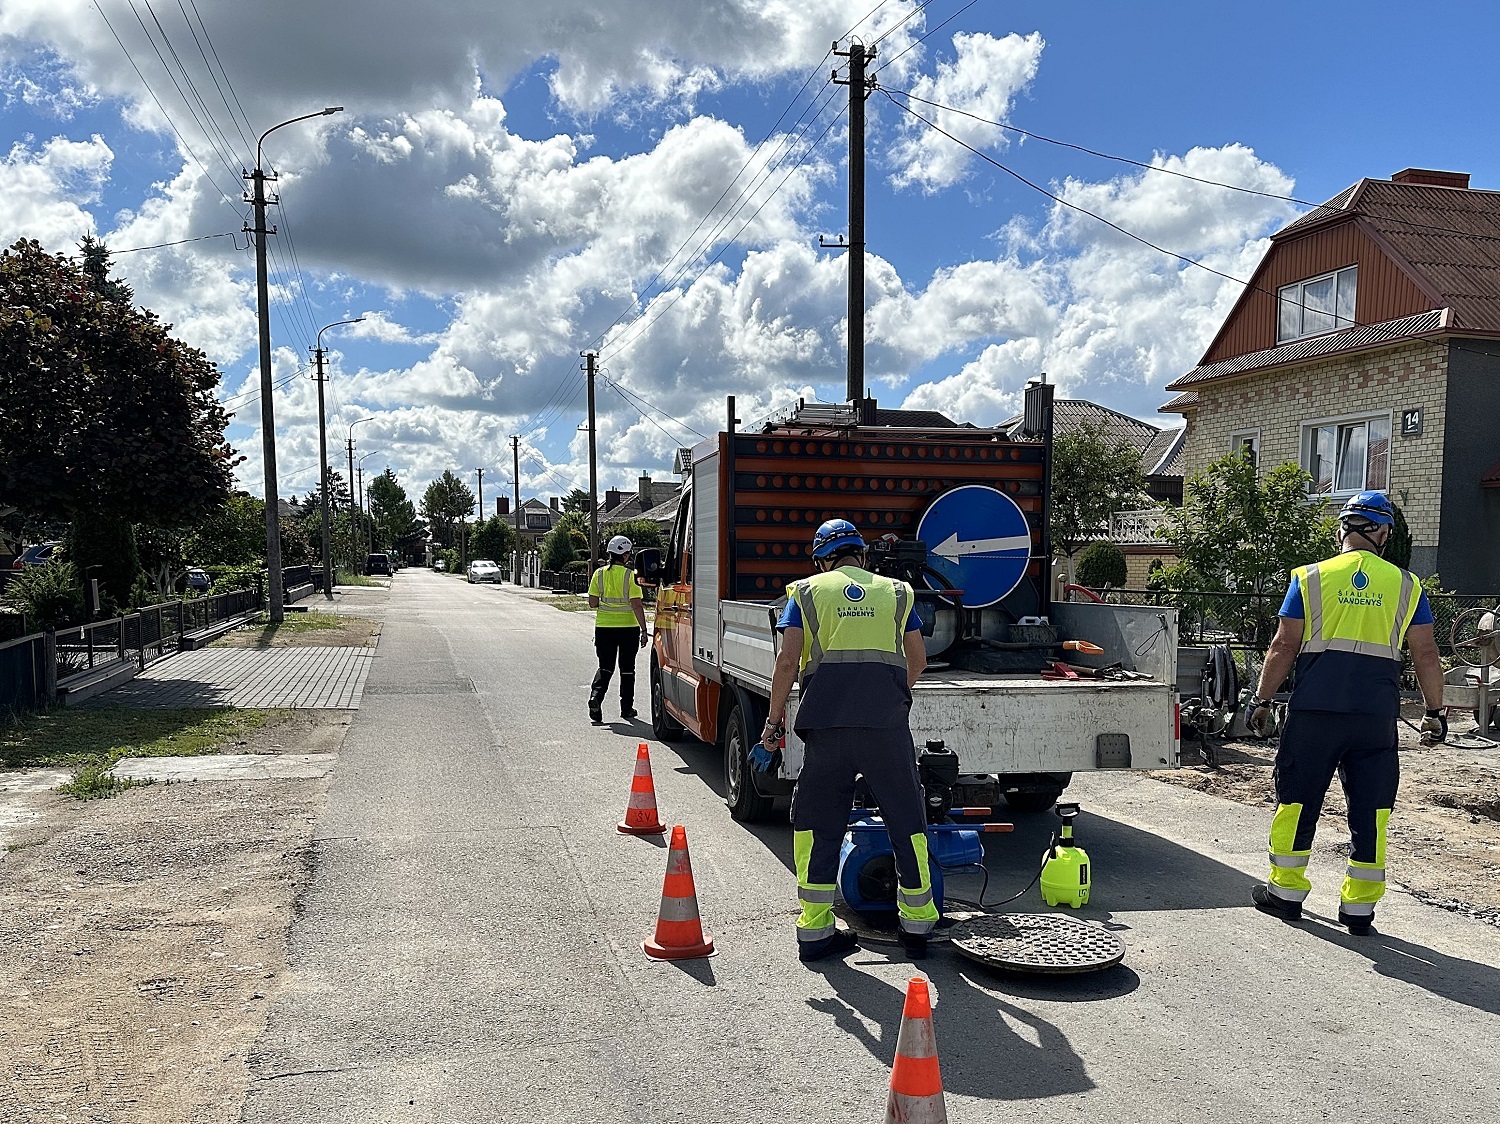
[494,539]
[394,515]
[233,536]
[642,533]
[576,501]
[105,411]
[1102,564]
[96,264]
[568,541]
[446,501]
[1091,479]
[1398,546]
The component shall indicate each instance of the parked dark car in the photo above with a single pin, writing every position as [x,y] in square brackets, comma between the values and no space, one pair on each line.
[378,564]
[38,554]
[198,580]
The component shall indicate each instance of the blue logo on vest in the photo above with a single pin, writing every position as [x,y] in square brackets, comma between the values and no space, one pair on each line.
[1360,579]
[854,592]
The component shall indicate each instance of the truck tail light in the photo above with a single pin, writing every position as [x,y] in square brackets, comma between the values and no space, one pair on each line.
[1177,722]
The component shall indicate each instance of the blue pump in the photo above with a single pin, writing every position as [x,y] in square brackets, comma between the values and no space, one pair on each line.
[867,865]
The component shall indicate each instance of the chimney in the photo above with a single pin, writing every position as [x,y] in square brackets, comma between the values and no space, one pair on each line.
[552,503]
[611,499]
[1427,177]
[502,505]
[643,489]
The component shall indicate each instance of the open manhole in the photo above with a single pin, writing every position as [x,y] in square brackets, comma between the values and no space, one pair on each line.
[1046,943]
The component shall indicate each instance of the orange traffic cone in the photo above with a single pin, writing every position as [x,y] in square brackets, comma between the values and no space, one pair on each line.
[679,933]
[916,1086]
[640,813]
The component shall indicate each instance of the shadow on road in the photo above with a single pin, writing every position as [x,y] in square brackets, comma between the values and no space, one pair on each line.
[987,1047]
[1459,981]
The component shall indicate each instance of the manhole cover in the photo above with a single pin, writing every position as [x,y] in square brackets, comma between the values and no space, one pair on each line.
[1038,942]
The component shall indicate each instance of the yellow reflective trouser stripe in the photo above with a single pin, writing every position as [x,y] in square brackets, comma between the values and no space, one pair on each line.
[915,906]
[816,919]
[1364,883]
[1288,877]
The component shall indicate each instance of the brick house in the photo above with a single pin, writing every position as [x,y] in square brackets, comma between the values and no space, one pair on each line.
[1366,348]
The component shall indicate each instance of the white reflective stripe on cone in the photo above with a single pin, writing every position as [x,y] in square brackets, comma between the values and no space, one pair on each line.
[641,800]
[902,1109]
[679,909]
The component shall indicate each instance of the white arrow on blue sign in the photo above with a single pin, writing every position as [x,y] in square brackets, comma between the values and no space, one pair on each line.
[977,538]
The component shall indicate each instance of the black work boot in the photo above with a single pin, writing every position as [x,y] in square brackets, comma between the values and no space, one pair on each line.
[1358,924]
[627,696]
[841,943]
[1267,902]
[914,945]
[596,697]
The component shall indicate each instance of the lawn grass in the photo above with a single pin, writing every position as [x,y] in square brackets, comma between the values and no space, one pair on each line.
[567,602]
[90,740]
[292,623]
[345,577]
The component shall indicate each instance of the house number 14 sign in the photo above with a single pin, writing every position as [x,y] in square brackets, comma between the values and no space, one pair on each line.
[1411,422]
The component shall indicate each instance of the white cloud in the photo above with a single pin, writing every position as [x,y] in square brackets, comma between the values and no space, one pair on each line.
[982,80]
[379,326]
[42,190]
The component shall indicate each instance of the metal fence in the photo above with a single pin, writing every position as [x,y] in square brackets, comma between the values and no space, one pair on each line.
[570,581]
[1249,619]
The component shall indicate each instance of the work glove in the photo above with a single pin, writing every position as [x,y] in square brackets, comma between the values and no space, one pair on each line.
[1434,727]
[1260,717]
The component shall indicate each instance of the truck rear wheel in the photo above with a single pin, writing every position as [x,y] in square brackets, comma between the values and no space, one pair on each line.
[663,725]
[745,804]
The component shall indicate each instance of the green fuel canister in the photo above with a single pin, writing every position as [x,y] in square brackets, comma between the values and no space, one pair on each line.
[1066,875]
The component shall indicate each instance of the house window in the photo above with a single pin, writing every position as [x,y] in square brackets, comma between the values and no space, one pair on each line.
[538,522]
[1347,455]
[1317,305]
[1246,442]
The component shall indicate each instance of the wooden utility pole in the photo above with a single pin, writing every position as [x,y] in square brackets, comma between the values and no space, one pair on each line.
[274,606]
[515,457]
[479,472]
[592,366]
[859,57]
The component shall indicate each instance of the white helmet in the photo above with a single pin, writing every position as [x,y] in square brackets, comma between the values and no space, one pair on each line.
[620,545]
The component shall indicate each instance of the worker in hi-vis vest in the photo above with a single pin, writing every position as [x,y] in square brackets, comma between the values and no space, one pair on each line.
[856,641]
[619,627]
[1342,624]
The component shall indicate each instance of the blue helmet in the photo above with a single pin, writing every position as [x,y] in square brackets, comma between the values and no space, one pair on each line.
[834,535]
[1369,507]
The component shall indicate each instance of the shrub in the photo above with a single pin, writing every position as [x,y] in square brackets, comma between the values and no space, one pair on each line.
[230,578]
[49,596]
[1102,564]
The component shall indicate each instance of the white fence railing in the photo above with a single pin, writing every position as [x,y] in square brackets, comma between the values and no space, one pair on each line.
[1144,526]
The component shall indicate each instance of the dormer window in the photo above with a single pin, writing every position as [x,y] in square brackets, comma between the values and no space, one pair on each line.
[1316,306]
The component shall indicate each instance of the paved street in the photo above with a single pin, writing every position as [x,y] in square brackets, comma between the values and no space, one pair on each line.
[469,948]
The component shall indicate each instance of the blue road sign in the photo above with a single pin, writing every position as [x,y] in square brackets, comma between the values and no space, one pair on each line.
[979,540]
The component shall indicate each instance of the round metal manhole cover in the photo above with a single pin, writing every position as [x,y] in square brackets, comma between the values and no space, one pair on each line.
[1048,943]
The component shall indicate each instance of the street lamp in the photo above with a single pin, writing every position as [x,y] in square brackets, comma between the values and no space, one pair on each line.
[365,500]
[323,455]
[274,604]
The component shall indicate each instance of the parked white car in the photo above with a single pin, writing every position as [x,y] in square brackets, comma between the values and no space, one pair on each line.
[483,570]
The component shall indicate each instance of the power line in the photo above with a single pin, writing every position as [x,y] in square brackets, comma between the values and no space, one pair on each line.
[1159,168]
[620,390]
[180,242]
[922,7]
[931,31]
[1249,285]
[209,67]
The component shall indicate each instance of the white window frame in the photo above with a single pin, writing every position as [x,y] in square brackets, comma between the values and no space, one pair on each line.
[1297,298]
[1237,439]
[1307,435]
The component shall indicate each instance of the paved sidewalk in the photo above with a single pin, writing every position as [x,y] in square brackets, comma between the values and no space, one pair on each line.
[257,679]
[227,767]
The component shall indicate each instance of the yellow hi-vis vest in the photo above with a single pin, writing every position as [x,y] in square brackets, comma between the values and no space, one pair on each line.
[1356,608]
[1357,602]
[853,664]
[615,586]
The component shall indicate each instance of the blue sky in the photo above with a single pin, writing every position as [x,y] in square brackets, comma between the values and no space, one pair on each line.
[503,187]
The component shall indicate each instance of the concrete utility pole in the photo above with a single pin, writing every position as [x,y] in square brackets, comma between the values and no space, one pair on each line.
[275,607]
[353,495]
[479,472]
[859,87]
[515,457]
[592,366]
[321,378]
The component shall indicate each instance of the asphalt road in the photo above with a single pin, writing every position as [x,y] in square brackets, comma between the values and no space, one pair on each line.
[470,947]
